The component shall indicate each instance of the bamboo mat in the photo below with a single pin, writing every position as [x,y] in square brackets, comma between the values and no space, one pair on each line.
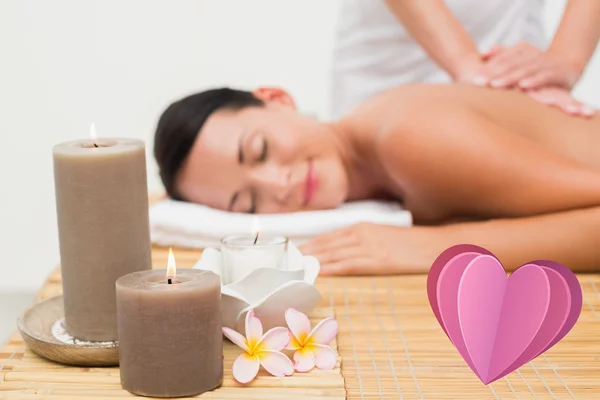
[390,344]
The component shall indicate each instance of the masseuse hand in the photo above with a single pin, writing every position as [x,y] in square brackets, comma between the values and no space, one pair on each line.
[370,249]
[545,76]
[561,98]
[527,67]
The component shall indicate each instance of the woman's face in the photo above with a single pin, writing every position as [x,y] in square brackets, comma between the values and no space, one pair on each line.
[264,160]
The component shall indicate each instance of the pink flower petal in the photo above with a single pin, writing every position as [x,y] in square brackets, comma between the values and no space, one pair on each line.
[276,363]
[245,368]
[324,332]
[236,338]
[298,323]
[304,360]
[325,357]
[254,329]
[275,340]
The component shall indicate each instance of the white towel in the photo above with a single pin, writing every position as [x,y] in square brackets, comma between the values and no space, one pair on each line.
[182,224]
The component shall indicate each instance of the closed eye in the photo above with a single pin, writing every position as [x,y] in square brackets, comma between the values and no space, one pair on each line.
[252,209]
[261,158]
[264,152]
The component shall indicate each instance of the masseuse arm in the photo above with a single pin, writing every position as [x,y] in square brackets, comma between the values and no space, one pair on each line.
[562,65]
[578,33]
[571,238]
[441,35]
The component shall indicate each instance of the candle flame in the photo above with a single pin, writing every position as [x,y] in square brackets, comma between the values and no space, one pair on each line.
[171,266]
[93,134]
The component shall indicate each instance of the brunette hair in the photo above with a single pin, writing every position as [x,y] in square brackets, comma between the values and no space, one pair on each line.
[181,122]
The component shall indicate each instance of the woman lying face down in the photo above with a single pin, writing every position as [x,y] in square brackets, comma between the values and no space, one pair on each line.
[524,176]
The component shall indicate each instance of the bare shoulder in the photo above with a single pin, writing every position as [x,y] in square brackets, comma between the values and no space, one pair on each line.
[412,116]
[408,97]
[410,123]
[418,94]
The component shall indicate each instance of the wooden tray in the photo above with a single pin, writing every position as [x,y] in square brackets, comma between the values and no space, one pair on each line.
[36,327]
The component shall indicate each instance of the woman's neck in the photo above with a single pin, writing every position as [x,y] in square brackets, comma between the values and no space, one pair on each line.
[357,149]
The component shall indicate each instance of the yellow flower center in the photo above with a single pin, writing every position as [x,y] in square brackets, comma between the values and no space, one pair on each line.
[302,338]
[252,346]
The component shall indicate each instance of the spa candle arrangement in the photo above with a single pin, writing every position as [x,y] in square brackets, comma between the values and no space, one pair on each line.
[170,338]
[244,254]
[103,228]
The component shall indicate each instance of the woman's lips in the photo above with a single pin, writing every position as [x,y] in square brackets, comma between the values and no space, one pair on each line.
[311,183]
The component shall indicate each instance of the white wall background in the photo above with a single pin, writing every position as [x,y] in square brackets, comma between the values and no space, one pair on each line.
[65,63]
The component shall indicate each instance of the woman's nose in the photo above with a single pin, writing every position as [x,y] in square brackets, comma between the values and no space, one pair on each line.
[274,182]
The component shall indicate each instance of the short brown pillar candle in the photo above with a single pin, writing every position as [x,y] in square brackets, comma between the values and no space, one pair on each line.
[170,334]
[102,212]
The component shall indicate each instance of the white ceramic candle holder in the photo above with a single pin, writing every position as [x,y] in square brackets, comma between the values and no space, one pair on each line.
[240,255]
[267,291]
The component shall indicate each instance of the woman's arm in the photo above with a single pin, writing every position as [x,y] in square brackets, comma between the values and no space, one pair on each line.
[571,238]
[441,35]
[578,33]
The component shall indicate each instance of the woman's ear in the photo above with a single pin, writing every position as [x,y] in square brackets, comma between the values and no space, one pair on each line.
[275,95]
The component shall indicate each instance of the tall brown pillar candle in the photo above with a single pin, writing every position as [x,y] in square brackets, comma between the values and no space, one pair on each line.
[102,210]
[170,337]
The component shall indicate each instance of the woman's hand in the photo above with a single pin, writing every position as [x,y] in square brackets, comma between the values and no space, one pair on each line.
[562,99]
[527,67]
[540,74]
[370,249]
[470,70]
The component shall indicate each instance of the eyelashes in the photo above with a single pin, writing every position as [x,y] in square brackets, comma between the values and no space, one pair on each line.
[252,209]
[262,158]
[265,150]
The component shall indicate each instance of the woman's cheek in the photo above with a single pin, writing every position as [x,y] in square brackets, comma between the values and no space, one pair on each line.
[290,147]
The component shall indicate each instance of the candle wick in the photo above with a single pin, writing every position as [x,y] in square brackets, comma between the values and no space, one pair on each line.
[95,145]
[256,238]
[169,281]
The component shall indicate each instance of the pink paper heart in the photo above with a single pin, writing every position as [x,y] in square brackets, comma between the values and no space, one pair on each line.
[500,316]
[576,297]
[497,323]
[448,303]
[560,303]
[438,267]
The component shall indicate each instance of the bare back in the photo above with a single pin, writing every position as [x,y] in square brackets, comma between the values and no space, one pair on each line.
[454,151]
[575,137]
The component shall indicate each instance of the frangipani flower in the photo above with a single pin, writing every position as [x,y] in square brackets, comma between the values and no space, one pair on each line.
[311,345]
[260,350]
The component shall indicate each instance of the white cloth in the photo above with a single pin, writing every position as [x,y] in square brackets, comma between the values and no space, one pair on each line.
[175,223]
[374,52]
